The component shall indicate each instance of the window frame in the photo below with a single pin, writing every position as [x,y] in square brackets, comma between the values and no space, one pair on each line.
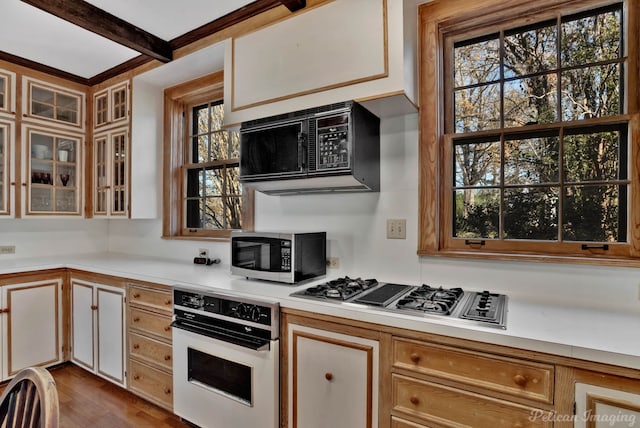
[440,24]
[178,102]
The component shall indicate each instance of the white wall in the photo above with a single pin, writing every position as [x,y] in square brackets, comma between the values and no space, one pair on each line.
[50,237]
[356,229]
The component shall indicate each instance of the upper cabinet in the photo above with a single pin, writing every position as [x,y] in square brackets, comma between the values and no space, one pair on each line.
[6,172]
[51,172]
[52,104]
[111,106]
[7,91]
[341,50]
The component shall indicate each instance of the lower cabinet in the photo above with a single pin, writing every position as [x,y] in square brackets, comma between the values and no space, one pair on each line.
[149,336]
[332,379]
[606,401]
[97,329]
[31,324]
[445,386]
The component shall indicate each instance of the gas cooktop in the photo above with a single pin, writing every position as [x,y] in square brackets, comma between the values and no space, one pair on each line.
[483,308]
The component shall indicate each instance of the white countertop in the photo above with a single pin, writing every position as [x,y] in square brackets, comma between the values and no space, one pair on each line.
[601,336]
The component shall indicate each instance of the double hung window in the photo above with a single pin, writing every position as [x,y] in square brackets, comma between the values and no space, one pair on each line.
[536,151]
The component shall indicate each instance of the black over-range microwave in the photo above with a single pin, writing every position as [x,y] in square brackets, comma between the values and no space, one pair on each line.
[330,148]
[279,256]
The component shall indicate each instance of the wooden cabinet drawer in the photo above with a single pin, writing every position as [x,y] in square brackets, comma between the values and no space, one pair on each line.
[448,406]
[401,423]
[151,351]
[515,377]
[151,383]
[149,322]
[151,298]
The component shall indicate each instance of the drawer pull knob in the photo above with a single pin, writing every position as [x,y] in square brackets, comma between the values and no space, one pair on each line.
[136,295]
[414,400]
[167,391]
[167,328]
[520,380]
[136,346]
[136,377]
[328,376]
[94,307]
[415,357]
[136,319]
[167,302]
[167,357]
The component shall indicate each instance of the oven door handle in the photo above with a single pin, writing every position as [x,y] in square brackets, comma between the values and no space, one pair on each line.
[222,335]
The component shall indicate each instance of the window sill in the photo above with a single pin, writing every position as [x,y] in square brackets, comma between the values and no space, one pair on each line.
[540,258]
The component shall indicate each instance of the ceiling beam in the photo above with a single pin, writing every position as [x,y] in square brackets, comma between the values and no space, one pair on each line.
[98,21]
[294,5]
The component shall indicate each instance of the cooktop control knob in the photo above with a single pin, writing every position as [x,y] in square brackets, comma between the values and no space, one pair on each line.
[256,313]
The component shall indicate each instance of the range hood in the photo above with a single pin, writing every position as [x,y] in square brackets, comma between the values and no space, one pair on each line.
[333,148]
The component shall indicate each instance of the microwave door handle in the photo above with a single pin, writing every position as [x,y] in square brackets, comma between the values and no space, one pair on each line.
[301,151]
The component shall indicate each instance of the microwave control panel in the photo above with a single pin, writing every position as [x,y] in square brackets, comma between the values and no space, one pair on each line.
[333,142]
[285,256]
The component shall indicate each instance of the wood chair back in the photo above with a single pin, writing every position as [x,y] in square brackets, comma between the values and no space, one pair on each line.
[30,400]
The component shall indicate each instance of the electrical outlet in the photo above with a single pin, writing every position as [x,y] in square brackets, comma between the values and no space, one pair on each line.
[333,262]
[396,228]
[203,252]
[7,249]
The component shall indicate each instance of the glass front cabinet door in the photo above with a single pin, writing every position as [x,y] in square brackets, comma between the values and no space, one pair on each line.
[5,167]
[53,104]
[111,174]
[53,184]
[111,106]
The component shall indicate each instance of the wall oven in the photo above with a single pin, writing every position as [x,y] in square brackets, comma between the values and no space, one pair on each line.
[226,359]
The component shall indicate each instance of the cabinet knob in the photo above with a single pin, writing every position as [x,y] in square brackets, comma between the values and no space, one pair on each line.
[167,390]
[520,380]
[136,346]
[136,295]
[167,302]
[328,376]
[136,319]
[136,377]
[415,357]
[4,311]
[94,307]
[414,400]
[167,328]
[167,357]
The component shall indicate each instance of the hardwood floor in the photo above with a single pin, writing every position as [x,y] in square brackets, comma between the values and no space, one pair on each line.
[88,401]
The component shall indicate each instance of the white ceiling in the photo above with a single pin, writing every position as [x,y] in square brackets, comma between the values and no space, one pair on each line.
[30,33]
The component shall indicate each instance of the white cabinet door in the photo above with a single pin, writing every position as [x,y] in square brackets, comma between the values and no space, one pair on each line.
[31,326]
[600,407]
[110,333]
[82,324]
[98,329]
[333,380]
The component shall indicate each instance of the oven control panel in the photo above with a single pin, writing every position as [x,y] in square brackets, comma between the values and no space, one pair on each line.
[236,309]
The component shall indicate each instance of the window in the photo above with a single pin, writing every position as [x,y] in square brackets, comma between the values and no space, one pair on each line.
[537,142]
[208,198]
[214,194]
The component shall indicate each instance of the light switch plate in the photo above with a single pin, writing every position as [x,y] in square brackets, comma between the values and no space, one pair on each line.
[396,228]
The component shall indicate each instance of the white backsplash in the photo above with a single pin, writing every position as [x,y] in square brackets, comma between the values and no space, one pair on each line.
[356,232]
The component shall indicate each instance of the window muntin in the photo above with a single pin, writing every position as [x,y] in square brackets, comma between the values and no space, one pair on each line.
[213,199]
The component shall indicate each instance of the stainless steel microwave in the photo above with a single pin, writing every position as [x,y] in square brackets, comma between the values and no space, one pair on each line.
[330,148]
[279,256]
